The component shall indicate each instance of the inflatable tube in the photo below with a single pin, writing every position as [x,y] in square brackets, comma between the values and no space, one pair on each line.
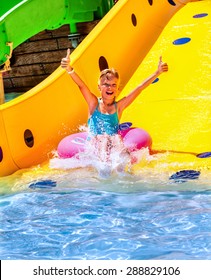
[133,138]
[136,139]
[72,145]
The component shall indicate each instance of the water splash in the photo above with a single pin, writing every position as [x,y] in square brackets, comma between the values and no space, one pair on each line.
[106,154]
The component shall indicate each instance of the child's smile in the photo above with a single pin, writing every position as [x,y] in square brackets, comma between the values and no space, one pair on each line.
[109,92]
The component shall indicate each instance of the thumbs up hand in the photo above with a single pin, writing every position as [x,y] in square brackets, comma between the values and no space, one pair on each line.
[162,66]
[65,62]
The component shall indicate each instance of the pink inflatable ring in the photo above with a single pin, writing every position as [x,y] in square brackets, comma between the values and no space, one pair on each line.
[134,139]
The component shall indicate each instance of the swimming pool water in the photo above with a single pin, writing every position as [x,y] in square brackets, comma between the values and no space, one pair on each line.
[114,218]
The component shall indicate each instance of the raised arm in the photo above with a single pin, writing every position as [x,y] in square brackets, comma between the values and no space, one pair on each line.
[127,100]
[90,98]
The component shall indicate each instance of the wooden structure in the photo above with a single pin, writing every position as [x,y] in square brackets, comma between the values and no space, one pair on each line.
[38,57]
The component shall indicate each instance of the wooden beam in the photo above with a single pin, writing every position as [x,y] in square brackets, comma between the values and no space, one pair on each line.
[1,89]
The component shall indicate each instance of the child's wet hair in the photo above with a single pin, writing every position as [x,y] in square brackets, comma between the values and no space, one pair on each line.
[109,74]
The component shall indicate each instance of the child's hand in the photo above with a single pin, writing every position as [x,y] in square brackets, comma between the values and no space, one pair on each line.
[65,62]
[162,66]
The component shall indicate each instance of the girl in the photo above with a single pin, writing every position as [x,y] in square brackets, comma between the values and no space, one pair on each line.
[104,113]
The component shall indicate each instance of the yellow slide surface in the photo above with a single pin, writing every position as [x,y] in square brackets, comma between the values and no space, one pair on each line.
[131,37]
[176,110]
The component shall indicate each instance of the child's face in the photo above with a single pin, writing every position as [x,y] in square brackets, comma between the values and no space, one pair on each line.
[109,88]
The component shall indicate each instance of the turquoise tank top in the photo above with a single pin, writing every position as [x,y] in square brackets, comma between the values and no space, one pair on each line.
[100,123]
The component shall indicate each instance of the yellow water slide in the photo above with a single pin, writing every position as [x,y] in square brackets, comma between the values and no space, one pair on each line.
[175,110]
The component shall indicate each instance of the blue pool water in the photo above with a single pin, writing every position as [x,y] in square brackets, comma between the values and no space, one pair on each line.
[83,216]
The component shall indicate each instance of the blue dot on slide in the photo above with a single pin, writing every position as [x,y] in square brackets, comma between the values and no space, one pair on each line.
[155,81]
[181,41]
[200,15]
[43,184]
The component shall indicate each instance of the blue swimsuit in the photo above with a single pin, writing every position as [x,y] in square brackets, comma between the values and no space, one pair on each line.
[100,123]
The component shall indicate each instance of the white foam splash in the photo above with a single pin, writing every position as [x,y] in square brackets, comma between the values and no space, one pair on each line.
[105,154]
